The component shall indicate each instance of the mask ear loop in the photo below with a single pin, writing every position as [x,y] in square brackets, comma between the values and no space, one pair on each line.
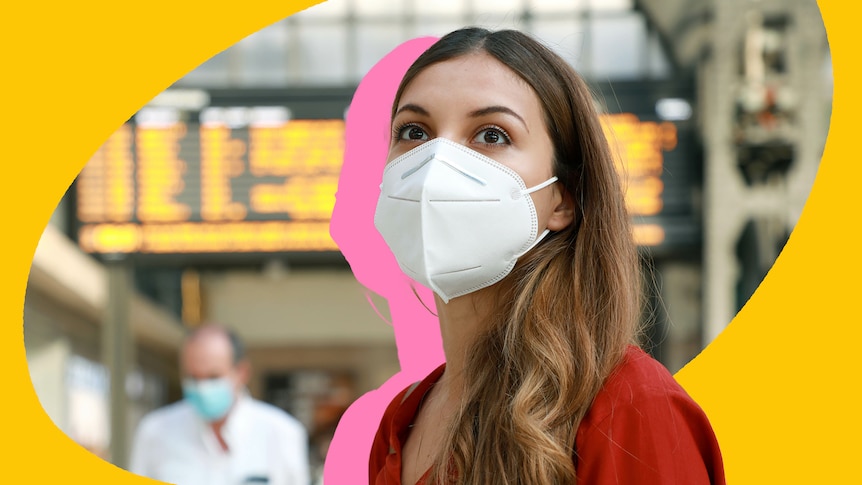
[546,231]
[541,185]
[413,289]
[535,243]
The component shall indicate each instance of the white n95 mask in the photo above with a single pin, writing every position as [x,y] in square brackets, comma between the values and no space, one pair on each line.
[456,220]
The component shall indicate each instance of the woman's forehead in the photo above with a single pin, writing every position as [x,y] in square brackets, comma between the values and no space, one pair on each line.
[478,79]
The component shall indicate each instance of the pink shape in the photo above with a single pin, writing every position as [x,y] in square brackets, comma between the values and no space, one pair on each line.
[417,332]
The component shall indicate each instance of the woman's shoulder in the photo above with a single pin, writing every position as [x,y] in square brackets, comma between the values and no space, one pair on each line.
[638,378]
[643,421]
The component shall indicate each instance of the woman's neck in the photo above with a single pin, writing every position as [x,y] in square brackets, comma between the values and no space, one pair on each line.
[461,321]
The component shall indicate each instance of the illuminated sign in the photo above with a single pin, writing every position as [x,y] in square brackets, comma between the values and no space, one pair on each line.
[638,148]
[244,179]
[167,186]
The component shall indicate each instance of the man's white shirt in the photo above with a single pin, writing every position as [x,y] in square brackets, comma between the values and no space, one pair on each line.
[266,446]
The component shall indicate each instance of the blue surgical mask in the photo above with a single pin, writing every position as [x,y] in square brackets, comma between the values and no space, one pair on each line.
[211,398]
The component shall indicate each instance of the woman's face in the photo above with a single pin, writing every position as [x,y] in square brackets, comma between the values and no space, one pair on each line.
[477,101]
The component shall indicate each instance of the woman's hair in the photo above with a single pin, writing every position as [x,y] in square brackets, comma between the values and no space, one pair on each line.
[566,313]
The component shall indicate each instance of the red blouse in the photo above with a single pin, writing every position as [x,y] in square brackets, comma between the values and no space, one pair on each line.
[642,428]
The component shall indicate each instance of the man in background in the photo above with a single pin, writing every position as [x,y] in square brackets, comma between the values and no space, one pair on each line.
[218,434]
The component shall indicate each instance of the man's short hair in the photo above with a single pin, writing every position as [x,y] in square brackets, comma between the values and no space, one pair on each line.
[237,347]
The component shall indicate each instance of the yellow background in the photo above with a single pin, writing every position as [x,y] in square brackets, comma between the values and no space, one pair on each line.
[780,384]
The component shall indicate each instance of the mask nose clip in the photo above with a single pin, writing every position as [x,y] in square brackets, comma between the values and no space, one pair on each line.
[436,146]
[417,167]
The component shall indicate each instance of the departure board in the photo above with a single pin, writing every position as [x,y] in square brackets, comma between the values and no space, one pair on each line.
[653,133]
[638,148]
[243,178]
[180,187]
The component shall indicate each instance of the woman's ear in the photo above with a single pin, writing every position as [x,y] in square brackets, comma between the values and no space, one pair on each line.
[564,212]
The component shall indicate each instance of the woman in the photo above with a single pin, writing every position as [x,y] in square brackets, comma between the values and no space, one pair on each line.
[500,195]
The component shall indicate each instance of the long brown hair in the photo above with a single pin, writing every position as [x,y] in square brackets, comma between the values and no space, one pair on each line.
[565,314]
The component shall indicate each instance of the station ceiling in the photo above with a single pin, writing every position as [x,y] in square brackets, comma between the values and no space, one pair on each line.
[683,26]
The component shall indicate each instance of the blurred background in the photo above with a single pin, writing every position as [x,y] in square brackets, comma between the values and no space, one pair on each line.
[213,202]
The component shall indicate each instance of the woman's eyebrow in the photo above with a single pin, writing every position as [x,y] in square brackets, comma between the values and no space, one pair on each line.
[498,109]
[415,108]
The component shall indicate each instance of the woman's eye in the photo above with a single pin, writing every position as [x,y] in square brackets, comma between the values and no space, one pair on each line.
[413,133]
[491,136]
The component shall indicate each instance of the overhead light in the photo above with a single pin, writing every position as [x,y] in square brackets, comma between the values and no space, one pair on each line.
[673,109]
[184,99]
[157,117]
[269,116]
[241,116]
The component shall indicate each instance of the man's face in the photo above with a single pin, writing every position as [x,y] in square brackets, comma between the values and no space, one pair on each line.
[210,356]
